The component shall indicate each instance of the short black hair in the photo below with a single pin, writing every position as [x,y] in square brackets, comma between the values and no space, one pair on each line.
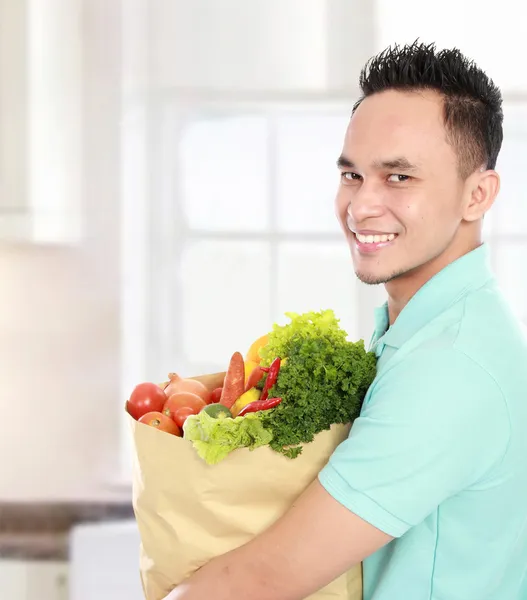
[473,113]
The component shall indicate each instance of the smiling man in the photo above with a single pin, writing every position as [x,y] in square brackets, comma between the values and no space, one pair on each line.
[430,488]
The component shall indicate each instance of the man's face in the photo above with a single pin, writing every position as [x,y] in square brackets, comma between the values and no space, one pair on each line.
[401,197]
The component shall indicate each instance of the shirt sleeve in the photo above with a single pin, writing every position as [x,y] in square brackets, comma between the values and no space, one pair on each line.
[434,425]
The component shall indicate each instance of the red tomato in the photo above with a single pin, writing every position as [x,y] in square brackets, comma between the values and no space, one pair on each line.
[216,395]
[180,400]
[181,415]
[146,397]
[160,421]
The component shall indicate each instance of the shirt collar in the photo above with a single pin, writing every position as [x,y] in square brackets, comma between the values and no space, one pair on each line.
[447,287]
[381,325]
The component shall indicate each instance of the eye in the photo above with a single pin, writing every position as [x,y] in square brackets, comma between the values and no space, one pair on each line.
[395,178]
[349,176]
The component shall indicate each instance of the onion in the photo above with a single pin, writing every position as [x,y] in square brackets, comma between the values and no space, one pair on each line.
[178,384]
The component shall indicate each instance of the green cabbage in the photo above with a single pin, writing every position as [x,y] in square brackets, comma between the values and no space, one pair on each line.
[215,438]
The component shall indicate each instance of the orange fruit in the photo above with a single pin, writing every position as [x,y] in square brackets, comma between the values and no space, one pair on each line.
[253,354]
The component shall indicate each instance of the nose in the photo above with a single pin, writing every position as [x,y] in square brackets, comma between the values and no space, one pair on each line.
[365,203]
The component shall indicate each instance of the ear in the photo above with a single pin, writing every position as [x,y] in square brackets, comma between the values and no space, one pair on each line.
[482,188]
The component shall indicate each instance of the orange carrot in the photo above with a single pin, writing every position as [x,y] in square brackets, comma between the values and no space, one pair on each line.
[234,384]
[254,377]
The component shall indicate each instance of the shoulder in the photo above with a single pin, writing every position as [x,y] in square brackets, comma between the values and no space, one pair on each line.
[472,345]
[439,362]
[493,337]
[439,381]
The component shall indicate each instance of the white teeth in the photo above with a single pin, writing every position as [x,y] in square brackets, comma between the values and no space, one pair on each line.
[375,239]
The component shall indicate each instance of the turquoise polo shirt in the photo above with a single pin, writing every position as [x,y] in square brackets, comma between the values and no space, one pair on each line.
[437,458]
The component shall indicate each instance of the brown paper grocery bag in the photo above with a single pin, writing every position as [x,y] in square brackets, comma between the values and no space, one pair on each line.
[189,512]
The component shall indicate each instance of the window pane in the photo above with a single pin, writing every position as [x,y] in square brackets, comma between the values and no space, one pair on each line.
[308,146]
[226,300]
[511,203]
[488,223]
[224,173]
[315,276]
[509,260]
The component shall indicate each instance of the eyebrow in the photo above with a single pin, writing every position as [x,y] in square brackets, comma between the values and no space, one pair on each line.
[397,164]
[345,163]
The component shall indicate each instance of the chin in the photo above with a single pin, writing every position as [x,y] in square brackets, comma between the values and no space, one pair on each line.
[371,278]
[377,278]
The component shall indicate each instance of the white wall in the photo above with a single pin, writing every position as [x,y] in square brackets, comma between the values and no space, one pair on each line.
[60,353]
[261,45]
[59,315]
[488,32]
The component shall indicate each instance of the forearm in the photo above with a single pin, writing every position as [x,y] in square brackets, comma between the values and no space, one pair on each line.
[317,540]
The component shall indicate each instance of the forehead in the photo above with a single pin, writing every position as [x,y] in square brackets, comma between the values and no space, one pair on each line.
[393,123]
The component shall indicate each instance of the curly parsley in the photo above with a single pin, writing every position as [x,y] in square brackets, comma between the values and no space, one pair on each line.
[323,381]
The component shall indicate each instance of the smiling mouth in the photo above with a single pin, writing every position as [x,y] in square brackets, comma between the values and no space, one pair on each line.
[370,243]
[375,239]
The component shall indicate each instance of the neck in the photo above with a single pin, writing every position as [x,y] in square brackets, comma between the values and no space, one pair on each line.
[401,289]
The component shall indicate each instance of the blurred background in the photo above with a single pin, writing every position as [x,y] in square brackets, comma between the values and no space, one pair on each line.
[167,175]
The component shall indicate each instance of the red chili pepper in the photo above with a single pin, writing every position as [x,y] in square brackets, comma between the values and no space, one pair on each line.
[265,369]
[258,405]
[272,376]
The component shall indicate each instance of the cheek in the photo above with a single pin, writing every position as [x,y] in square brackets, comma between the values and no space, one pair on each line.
[429,215]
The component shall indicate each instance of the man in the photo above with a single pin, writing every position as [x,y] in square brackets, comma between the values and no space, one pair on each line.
[430,488]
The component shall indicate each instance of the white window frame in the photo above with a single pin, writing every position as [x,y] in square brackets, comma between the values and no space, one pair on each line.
[163,320]
[151,211]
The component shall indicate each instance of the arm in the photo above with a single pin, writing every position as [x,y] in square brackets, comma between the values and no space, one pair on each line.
[434,425]
[317,540]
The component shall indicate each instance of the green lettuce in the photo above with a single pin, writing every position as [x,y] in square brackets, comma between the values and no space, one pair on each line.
[215,438]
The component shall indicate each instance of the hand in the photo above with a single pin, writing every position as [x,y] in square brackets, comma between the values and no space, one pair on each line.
[203,584]
[178,593]
[175,594]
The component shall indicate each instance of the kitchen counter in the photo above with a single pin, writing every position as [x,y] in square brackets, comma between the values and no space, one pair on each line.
[40,531]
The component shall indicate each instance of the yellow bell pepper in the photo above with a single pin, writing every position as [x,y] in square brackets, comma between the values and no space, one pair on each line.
[250,365]
[246,398]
